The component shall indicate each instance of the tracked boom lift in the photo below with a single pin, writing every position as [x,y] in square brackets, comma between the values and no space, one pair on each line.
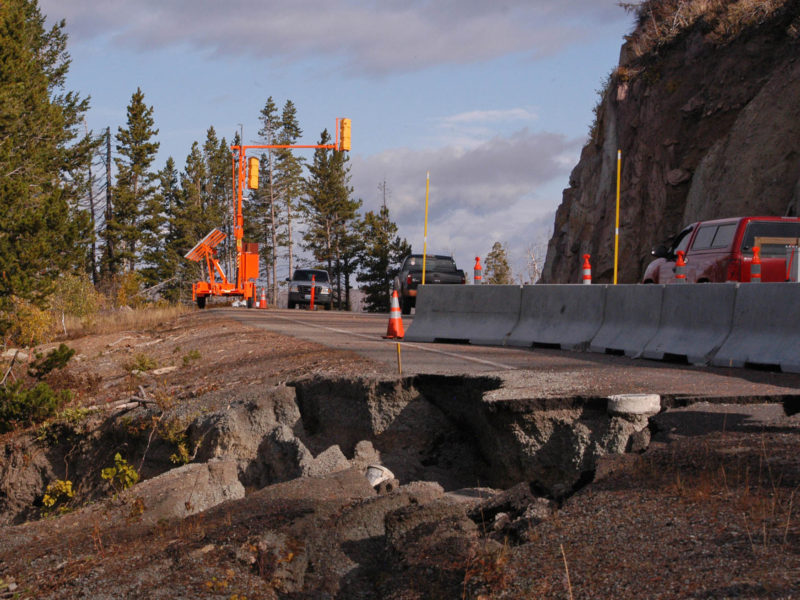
[246,253]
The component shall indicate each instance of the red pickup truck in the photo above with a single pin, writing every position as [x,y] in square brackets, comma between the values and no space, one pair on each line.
[722,250]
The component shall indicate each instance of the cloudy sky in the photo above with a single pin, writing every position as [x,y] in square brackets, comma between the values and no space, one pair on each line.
[493,98]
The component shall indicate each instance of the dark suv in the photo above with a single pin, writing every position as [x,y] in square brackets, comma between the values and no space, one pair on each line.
[438,269]
[300,288]
[722,250]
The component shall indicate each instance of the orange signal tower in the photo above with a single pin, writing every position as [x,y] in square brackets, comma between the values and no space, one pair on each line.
[247,253]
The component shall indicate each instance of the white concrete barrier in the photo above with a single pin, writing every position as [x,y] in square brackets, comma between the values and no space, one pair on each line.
[630,320]
[766,328]
[478,314]
[695,320]
[567,316]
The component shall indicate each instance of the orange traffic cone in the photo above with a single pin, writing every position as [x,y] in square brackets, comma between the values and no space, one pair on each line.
[263,303]
[395,330]
[680,268]
[587,269]
[755,266]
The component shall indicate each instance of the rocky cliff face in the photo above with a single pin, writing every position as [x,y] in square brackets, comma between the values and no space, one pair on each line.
[705,108]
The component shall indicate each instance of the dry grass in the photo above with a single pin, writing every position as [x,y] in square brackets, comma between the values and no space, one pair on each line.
[123,320]
[659,22]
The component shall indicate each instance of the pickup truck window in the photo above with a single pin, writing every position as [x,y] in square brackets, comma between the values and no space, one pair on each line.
[724,236]
[320,276]
[704,237]
[771,236]
[682,240]
[714,236]
[431,265]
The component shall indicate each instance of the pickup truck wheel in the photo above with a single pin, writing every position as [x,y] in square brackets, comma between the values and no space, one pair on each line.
[405,306]
[249,303]
[327,306]
[201,302]
[290,305]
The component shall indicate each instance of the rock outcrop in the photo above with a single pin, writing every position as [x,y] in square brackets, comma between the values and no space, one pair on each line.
[704,108]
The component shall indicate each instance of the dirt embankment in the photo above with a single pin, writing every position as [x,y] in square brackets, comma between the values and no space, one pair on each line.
[254,453]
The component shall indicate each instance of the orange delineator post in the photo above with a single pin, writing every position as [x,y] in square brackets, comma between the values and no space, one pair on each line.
[313,287]
[477,270]
[395,329]
[587,269]
[755,266]
[680,268]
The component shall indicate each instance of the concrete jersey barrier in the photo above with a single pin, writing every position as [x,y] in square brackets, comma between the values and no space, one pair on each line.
[630,320]
[567,316]
[478,314]
[695,321]
[766,328]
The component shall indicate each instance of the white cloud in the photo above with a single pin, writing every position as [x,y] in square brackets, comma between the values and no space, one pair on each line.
[365,38]
[490,116]
[505,189]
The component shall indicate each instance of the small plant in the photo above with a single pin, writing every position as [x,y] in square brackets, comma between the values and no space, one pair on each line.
[121,476]
[23,407]
[175,433]
[55,359]
[190,356]
[142,362]
[58,493]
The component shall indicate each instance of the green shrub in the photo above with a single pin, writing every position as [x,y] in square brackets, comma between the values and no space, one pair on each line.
[28,325]
[22,407]
[142,362]
[121,476]
[55,359]
[58,492]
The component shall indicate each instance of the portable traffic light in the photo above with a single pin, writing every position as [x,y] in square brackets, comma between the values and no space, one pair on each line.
[344,137]
[252,173]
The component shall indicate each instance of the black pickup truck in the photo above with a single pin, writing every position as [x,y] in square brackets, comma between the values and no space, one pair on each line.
[438,269]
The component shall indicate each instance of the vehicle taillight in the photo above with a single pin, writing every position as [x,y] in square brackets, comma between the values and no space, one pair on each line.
[734,270]
[409,280]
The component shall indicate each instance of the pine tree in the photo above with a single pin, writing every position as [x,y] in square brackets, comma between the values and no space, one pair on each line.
[40,145]
[134,186]
[380,262]
[330,213]
[289,175]
[496,267]
[166,263]
[265,198]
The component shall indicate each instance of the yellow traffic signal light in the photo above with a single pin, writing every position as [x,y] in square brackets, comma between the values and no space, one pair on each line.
[252,173]
[344,137]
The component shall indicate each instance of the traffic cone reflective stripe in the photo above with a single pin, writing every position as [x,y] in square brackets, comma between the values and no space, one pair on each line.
[587,269]
[680,268]
[755,266]
[395,329]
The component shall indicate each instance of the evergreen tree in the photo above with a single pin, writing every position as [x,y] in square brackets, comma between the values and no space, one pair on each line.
[265,198]
[134,186]
[169,262]
[380,262]
[190,225]
[289,175]
[496,267]
[40,146]
[330,213]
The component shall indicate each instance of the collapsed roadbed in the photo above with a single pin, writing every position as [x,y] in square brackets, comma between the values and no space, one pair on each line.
[492,492]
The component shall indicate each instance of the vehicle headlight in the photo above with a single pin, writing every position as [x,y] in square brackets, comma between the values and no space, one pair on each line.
[325,290]
[294,288]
